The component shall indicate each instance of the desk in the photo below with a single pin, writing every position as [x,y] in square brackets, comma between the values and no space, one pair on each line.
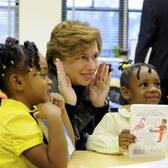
[88,159]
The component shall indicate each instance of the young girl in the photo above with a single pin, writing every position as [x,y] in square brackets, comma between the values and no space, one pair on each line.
[23,78]
[140,84]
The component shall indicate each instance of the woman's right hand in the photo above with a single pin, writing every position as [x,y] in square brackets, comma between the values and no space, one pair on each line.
[64,84]
[125,139]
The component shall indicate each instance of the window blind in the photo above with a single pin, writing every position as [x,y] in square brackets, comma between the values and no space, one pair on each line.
[118,20]
[102,14]
[9,19]
[134,15]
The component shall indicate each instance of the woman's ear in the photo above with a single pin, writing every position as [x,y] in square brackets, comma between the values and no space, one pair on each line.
[125,93]
[16,82]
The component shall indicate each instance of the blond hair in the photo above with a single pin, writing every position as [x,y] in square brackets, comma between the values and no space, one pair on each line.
[70,37]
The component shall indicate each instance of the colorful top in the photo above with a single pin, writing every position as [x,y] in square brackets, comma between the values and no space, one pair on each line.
[18,132]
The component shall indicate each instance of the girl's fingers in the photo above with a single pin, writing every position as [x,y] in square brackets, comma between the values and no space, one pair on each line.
[125,131]
[36,114]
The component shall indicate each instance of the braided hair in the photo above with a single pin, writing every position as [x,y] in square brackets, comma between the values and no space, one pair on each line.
[126,73]
[16,58]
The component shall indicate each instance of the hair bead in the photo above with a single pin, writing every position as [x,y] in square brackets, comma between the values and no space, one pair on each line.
[3,66]
[12,62]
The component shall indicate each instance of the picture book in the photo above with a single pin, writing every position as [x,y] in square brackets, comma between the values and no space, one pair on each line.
[149,123]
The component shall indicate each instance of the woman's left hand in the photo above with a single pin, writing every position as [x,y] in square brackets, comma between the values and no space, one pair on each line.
[100,85]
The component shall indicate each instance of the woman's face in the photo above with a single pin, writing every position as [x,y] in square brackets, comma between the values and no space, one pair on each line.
[81,67]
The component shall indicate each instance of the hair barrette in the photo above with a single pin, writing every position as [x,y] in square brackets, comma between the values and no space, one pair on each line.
[125,65]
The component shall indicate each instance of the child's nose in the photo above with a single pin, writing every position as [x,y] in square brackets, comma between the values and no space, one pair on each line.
[49,81]
[153,88]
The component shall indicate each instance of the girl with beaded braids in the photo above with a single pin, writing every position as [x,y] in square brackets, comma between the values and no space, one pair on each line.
[139,84]
[23,77]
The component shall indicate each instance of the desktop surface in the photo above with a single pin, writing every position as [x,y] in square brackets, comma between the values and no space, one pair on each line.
[89,159]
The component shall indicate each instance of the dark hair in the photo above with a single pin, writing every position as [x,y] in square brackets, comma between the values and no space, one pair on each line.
[16,58]
[164,120]
[126,74]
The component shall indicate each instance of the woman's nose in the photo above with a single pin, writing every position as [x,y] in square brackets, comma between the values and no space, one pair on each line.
[91,65]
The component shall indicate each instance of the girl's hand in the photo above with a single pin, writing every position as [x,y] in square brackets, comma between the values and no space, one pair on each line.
[64,84]
[47,110]
[125,139]
[58,100]
[99,87]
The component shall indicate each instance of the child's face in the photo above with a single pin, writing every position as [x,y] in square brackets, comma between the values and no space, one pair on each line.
[145,90]
[38,85]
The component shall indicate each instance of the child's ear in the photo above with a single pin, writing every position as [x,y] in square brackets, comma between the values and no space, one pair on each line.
[125,93]
[16,82]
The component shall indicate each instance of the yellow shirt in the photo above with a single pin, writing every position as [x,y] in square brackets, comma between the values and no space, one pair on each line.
[18,132]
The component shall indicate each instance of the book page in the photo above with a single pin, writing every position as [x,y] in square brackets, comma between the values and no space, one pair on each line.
[149,124]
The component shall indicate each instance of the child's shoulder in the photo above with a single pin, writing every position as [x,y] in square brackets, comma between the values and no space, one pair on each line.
[10,104]
[11,110]
[121,113]
[110,115]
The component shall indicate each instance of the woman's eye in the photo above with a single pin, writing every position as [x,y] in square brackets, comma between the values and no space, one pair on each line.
[83,57]
[96,56]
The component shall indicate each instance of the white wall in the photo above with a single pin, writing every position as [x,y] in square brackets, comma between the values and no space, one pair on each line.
[37,19]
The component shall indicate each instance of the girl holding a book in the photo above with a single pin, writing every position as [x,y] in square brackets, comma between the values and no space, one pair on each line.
[139,84]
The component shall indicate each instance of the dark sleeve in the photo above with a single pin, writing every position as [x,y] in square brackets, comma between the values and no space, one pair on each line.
[148,30]
[70,110]
[99,113]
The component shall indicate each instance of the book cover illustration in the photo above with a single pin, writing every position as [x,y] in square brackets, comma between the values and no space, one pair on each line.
[149,124]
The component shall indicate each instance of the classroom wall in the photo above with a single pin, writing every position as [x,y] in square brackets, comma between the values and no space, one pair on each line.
[36,20]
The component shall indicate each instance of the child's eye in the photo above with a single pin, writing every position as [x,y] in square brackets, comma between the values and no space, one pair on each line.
[43,75]
[143,85]
[157,84]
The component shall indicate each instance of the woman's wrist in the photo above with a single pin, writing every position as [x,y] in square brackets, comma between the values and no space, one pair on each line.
[100,104]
